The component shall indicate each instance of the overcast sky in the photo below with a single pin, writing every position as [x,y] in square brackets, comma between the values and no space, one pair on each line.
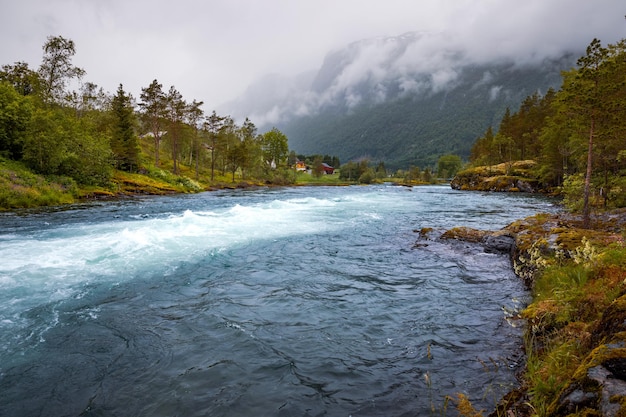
[211,50]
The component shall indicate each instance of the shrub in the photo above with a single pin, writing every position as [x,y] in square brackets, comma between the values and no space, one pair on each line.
[367,177]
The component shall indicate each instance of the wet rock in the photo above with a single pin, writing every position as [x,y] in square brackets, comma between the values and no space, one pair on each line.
[576,400]
[612,323]
[525,186]
[425,235]
[492,242]
[424,232]
[465,234]
[495,243]
[611,388]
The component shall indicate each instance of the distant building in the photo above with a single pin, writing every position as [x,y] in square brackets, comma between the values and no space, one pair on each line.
[300,165]
[327,168]
[151,135]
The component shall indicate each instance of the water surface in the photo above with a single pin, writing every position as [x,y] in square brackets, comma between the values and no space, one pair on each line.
[297,302]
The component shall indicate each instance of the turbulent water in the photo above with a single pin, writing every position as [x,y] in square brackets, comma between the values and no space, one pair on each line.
[273,302]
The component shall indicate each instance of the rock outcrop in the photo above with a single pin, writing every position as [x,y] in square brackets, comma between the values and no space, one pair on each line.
[493,242]
[600,383]
[506,177]
[598,386]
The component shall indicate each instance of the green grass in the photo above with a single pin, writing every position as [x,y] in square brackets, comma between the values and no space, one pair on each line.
[304,178]
[20,188]
[570,296]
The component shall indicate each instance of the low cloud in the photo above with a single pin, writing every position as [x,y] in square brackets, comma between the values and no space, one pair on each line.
[373,71]
[494,92]
[212,51]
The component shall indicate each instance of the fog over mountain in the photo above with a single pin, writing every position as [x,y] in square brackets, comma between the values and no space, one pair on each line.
[378,70]
[212,50]
[404,100]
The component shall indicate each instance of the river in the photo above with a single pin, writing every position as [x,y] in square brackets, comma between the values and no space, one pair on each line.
[302,301]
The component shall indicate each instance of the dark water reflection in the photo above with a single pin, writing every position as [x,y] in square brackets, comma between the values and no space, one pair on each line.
[261,303]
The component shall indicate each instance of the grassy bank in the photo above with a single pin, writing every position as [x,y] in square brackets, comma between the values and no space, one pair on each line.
[575,323]
[21,188]
[304,178]
[575,335]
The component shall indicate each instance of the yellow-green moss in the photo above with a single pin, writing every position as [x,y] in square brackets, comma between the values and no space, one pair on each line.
[501,177]
[466,234]
[578,307]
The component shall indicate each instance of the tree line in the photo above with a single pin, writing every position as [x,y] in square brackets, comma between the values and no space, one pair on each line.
[58,124]
[577,135]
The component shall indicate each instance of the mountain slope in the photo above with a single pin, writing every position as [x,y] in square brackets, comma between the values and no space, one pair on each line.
[403,100]
[416,130]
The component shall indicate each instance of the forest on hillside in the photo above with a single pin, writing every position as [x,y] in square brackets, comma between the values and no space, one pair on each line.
[59,125]
[576,135]
[413,129]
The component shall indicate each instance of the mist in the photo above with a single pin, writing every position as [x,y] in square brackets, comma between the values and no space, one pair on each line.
[372,71]
[218,51]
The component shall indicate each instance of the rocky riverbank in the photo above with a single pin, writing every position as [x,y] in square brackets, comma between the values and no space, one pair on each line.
[575,333]
[506,177]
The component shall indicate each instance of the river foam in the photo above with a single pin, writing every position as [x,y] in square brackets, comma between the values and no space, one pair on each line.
[255,302]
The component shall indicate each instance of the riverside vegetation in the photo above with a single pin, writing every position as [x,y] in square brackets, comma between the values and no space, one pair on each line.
[59,145]
[569,143]
[575,325]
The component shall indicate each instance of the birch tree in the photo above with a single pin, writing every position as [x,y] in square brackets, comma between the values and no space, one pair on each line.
[56,69]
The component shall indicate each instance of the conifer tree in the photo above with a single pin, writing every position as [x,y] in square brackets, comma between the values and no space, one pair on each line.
[482,150]
[123,139]
[193,115]
[213,125]
[176,108]
[584,96]
[154,109]
[249,152]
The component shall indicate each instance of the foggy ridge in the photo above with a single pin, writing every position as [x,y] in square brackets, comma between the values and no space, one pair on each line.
[381,98]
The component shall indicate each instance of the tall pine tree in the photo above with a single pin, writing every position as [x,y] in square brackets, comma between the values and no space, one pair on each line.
[176,108]
[123,139]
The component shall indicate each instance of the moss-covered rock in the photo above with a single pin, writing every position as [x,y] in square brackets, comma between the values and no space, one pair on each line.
[576,323]
[466,234]
[612,326]
[506,177]
[599,385]
[493,242]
